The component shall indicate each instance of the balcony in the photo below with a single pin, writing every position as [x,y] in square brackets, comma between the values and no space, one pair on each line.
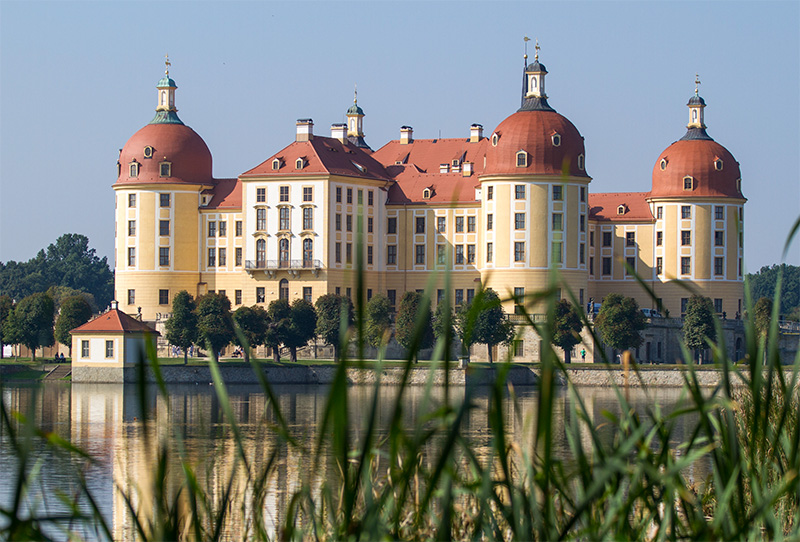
[294,267]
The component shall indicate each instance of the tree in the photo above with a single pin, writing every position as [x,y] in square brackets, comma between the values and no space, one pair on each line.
[443,322]
[75,311]
[60,293]
[698,324]
[414,313]
[332,310]
[31,323]
[762,315]
[490,325]
[182,325]
[214,321]
[567,326]
[620,322]
[763,283]
[252,324]
[6,306]
[278,321]
[379,320]
[302,326]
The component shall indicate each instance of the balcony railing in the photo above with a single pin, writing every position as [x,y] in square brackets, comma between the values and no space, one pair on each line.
[272,265]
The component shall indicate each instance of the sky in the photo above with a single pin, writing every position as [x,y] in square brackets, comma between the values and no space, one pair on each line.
[77,79]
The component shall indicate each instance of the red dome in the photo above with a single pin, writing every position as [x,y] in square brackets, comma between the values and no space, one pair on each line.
[533,132]
[174,143]
[713,169]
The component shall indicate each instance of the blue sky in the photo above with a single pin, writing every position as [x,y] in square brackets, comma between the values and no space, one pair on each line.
[77,80]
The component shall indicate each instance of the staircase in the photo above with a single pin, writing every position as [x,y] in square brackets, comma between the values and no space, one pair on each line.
[60,371]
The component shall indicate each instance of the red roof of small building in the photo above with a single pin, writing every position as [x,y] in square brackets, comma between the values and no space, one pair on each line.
[322,155]
[226,194]
[605,207]
[114,321]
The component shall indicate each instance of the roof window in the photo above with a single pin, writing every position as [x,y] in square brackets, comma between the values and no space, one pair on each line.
[360,168]
[134,169]
[148,151]
[581,162]
[688,183]
[522,158]
[300,163]
[165,169]
[495,139]
[622,209]
[426,193]
[718,164]
[556,140]
[276,163]
[663,164]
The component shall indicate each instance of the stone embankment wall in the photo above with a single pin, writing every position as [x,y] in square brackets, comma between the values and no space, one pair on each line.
[517,375]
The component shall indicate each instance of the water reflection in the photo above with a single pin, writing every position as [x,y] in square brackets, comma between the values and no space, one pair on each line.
[106,421]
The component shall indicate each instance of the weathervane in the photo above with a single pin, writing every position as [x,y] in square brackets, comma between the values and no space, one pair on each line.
[526,39]
[537,50]
[167,64]
[696,82]
[355,93]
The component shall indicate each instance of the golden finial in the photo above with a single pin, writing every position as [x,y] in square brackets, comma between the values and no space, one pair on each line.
[537,50]
[526,39]
[696,83]
[167,64]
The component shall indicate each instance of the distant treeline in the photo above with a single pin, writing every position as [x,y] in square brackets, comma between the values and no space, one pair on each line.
[762,284]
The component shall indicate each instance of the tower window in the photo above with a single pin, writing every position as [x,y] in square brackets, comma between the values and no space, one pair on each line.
[134,169]
[556,140]
[522,159]
[495,139]
[688,183]
[558,193]
[663,164]
[148,152]
[718,164]
[165,169]
[581,162]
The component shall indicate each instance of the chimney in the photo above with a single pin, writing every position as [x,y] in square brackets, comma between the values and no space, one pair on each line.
[475,133]
[305,130]
[466,169]
[406,135]
[114,305]
[339,131]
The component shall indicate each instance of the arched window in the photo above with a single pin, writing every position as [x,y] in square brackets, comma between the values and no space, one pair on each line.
[426,194]
[581,162]
[718,164]
[308,252]
[283,252]
[663,164]
[276,164]
[688,183]
[495,139]
[522,158]
[556,140]
[284,289]
[261,253]
[134,170]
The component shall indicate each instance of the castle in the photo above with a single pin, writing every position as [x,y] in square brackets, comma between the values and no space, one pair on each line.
[497,210]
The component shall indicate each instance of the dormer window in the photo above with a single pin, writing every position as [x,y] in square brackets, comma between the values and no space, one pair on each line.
[522,158]
[165,169]
[581,162]
[299,163]
[456,163]
[556,140]
[739,185]
[444,168]
[688,183]
[622,209]
[495,139]
[148,152]
[663,164]
[276,164]
[360,168]
[718,164]
[119,169]
[426,193]
[134,169]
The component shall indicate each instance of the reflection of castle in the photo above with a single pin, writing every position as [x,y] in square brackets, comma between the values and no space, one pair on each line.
[498,210]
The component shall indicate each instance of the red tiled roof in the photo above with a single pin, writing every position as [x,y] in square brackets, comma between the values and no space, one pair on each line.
[603,207]
[323,155]
[419,168]
[696,158]
[114,321]
[227,194]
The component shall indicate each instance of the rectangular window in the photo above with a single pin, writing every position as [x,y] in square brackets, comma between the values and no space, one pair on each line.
[308,218]
[284,194]
[391,255]
[84,349]
[348,222]
[470,254]
[719,263]
[238,225]
[519,221]
[420,224]
[591,238]
[419,254]
[131,256]
[686,211]
[369,225]
[489,222]
[659,238]
[519,251]
[260,294]
[223,228]
[686,238]
[519,191]
[283,218]
[109,349]
[212,257]
[459,297]
[131,200]
[558,252]
[164,200]
[558,222]
[606,266]
[349,195]
[684,304]
[630,239]
[519,348]
[131,227]
[659,213]
[489,251]
[391,225]
[370,198]
[471,224]
[439,296]
[490,192]
[582,222]
[686,265]
[237,297]
[369,254]
[718,305]
[337,249]
[360,199]
[307,293]
[338,221]
[440,254]
[606,238]
[348,253]
[261,195]
[392,295]
[459,224]
[238,256]
[261,219]
[338,194]
[459,254]
[583,193]
[338,290]
[163,227]
[212,229]
[223,257]
[349,293]
[591,265]
[558,193]
[631,267]
[308,193]
[470,295]
[131,297]
[582,254]
[441,224]
[163,256]
[519,300]
[163,297]
[719,238]
[719,212]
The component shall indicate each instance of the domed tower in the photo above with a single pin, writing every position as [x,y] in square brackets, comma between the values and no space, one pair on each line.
[697,201]
[161,172]
[355,124]
[534,196]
